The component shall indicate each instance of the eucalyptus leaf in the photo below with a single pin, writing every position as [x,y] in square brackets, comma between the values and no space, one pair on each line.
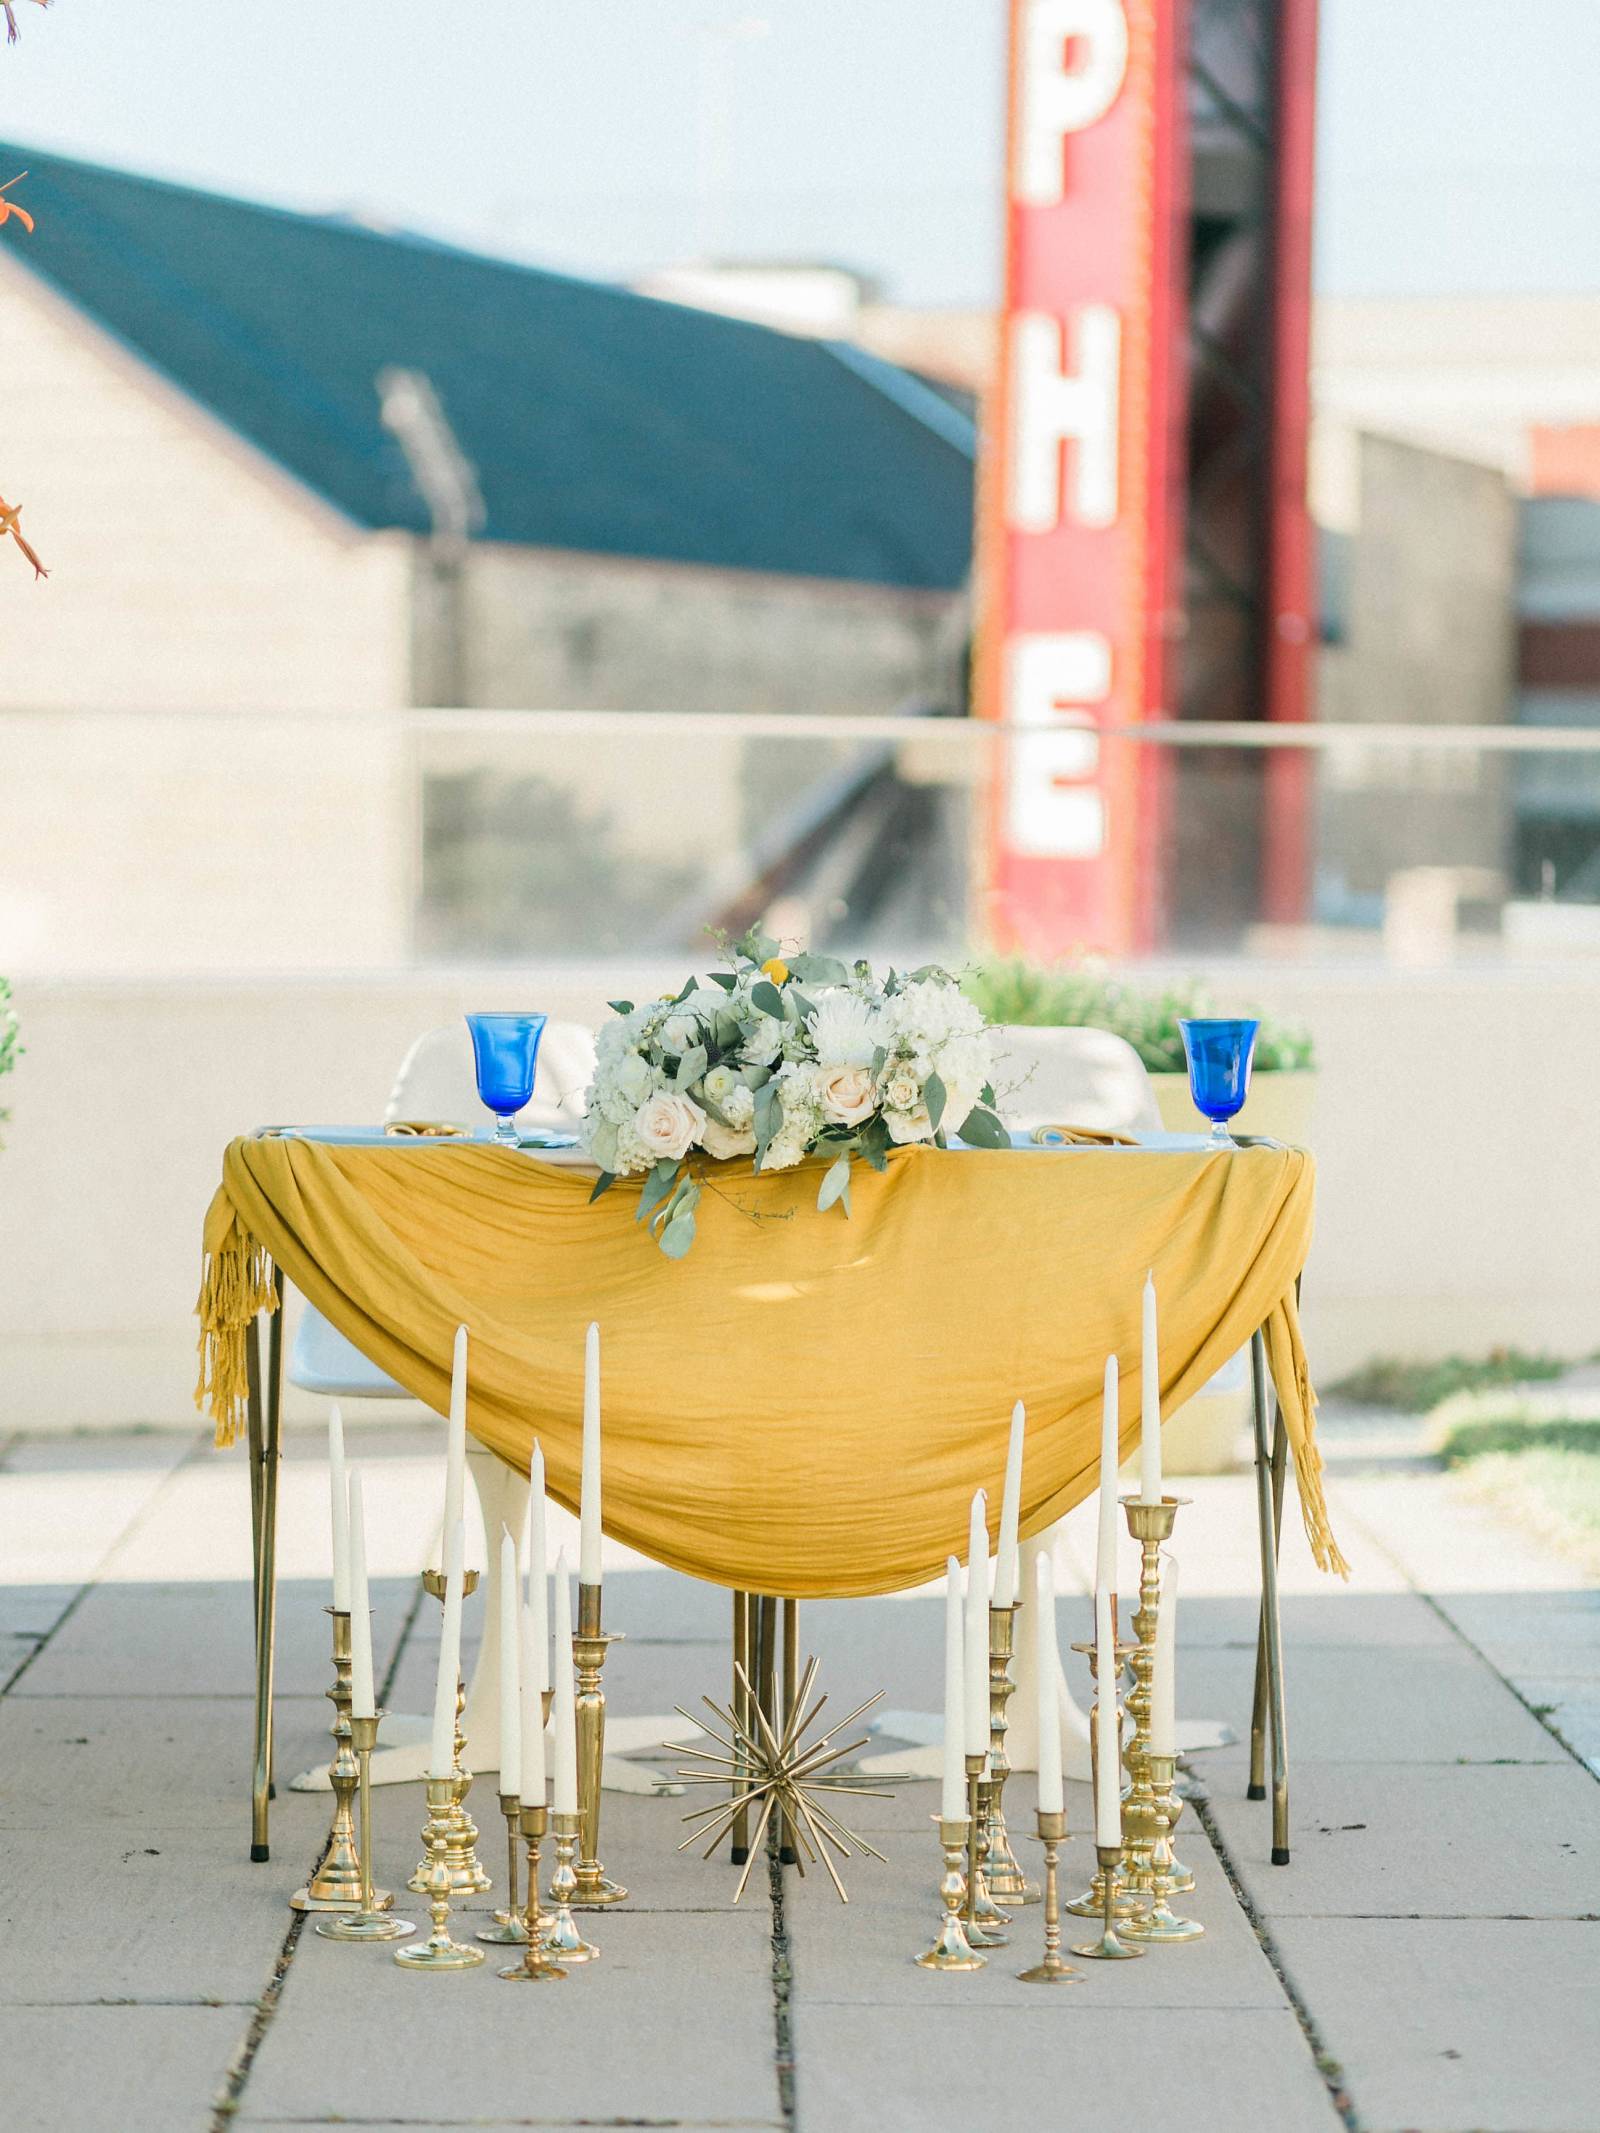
[818,969]
[933,1095]
[620,1007]
[678,1235]
[767,997]
[656,1187]
[981,1129]
[836,1185]
[603,1183]
[691,1066]
[727,979]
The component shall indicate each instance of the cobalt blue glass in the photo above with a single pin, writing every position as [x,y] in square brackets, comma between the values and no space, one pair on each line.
[505,1052]
[1219,1052]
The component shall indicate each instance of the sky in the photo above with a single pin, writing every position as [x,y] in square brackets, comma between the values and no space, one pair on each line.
[1457,147]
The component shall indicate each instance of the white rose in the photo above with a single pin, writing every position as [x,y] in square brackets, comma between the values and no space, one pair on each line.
[902,1086]
[680,1033]
[847,1094]
[723,1141]
[909,1125]
[668,1125]
[719,1085]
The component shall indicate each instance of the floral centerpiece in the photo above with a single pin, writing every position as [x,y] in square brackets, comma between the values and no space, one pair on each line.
[778,1060]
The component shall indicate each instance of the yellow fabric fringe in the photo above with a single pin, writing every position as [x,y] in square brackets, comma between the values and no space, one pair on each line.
[236,1286]
[805,1403]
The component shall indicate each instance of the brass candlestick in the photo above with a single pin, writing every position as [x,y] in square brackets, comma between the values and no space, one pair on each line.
[1004,1874]
[372,1921]
[439,1951]
[562,1937]
[1092,1902]
[336,1884]
[1052,1971]
[981,1917]
[508,1928]
[1150,1525]
[467,1875]
[951,1949]
[1161,1922]
[536,1967]
[1109,1948]
[595,1888]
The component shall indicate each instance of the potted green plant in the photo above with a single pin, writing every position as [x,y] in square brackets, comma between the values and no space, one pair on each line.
[1084,996]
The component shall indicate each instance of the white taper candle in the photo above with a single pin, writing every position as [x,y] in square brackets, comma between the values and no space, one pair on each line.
[538,1590]
[1149,1400]
[339,1500]
[532,1793]
[363,1702]
[1051,1797]
[1005,1572]
[564,1709]
[455,1439]
[510,1670]
[1107,1730]
[953,1776]
[1164,1679]
[442,1750]
[1105,1561]
[589,1496]
[975,1704]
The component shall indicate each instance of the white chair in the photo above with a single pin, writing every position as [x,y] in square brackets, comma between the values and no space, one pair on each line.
[437,1082]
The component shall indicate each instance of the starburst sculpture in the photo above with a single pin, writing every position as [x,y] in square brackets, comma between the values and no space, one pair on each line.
[786,1774]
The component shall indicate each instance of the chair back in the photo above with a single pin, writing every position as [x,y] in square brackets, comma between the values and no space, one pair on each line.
[436,1080]
[1072,1077]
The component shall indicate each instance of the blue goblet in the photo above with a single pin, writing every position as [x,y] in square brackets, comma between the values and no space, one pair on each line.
[1219,1051]
[505,1052]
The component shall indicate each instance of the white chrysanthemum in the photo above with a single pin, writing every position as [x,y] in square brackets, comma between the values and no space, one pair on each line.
[787,1146]
[928,1013]
[740,1107]
[844,1028]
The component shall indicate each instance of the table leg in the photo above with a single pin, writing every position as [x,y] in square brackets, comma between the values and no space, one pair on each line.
[266,1442]
[1269,1701]
[741,1706]
[787,1854]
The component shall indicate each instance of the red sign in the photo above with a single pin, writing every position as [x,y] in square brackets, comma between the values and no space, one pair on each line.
[1083,471]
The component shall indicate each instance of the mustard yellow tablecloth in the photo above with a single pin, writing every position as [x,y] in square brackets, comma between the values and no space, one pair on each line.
[805,1403]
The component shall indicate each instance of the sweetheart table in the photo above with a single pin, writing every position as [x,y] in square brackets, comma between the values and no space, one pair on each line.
[804,1405]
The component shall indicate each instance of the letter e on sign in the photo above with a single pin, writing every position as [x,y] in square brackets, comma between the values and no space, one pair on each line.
[1054,808]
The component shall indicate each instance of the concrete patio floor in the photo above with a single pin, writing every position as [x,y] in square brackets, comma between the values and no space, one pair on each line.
[1430,1960]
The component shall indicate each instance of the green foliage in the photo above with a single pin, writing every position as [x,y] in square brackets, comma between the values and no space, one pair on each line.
[1541,1468]
[1416,1388]
[10,1035]
[1038,995]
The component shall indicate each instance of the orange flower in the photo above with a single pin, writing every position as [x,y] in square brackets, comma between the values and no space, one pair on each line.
[10,207]
[9,514]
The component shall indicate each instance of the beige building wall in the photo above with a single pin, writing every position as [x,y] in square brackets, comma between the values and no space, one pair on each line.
[186,571]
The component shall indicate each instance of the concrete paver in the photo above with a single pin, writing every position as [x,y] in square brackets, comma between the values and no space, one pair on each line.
[1443,1900]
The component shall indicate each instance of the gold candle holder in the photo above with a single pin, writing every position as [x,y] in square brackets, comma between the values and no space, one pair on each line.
[508,1928]
[562,1937]
[590,1643]
[1092,1902]
[336,1884]
[1052,1971]
[1150,1525]
[1006,1880]
[439,1951]
[951,1949]
[1110,1947]
[536,1967]
[982,1917]
[1161,1923]
[467,1874]
[372,1920]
